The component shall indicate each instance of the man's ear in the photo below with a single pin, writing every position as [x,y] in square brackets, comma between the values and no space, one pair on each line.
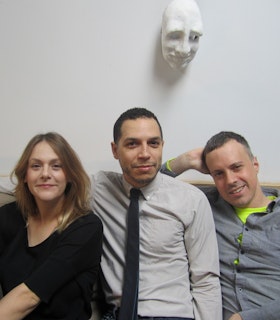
[256,164]
[114,148]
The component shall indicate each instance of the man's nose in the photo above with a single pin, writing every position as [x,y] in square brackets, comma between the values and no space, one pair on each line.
[144,151]
[230,177]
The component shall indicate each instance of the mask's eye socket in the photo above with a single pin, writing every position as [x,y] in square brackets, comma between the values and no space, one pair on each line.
[175,35]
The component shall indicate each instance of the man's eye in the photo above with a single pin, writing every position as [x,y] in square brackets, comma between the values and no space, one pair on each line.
[154,144]
[217,174]
[237,168]
[131,144]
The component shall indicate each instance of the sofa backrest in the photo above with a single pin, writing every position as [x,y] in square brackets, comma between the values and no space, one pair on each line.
[5,198]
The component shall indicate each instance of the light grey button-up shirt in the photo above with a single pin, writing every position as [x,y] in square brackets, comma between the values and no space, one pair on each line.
[179,267]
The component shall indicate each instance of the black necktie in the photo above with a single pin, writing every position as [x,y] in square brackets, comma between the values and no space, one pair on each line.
[129,302]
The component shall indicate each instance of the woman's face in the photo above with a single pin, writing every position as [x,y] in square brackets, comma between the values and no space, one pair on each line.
[45,175]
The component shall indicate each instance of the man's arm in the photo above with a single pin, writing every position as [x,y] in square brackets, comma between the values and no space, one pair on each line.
[185,161]
[18,303]
[202,252]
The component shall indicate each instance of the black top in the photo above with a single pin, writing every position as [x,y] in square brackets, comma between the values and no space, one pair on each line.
[61,270]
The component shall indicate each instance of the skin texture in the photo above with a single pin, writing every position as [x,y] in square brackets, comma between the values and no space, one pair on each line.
[18,303]
[139,151]
[235,175]
[235,316]
[46,180]
[45,177]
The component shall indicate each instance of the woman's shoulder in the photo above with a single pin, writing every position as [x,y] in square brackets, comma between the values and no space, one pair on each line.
[11,212]
[85,233]
[88,222]
[90,217]
[11,222]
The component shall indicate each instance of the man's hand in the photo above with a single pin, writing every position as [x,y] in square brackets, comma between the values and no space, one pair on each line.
[235,316]
[188,160]
[194,158]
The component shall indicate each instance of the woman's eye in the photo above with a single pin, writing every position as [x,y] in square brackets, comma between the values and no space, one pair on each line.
[57,166]
[35,166]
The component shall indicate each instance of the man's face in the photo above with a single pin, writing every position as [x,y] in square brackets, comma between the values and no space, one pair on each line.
[235,174]
[139,151]
[181,30]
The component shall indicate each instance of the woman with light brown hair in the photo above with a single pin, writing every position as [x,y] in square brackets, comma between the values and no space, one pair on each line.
[50,240]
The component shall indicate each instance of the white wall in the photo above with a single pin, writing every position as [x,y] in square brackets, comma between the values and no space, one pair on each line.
[74,65]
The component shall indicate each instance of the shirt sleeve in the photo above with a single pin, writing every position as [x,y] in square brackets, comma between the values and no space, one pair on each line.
[202,250]
[165,170]
[78,249]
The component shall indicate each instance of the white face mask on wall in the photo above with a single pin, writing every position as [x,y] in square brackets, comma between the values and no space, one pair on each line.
[181,29]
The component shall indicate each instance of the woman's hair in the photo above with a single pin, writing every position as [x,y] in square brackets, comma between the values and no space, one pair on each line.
[77,192]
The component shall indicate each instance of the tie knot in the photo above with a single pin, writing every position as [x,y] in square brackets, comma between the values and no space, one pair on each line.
[134,193]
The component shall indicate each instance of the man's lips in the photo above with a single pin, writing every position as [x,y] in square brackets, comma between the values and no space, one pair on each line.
[144,167]
[237,190]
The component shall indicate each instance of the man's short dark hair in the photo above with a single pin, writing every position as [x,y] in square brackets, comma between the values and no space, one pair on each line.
[133,114]
[219,139]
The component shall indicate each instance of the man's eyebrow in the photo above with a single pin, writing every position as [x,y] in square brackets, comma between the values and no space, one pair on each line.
[237,163]
[216,171]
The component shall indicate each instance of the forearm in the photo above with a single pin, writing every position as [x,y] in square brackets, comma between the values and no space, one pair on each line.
[186,161]
[202,249]
[180,164]
[18,303]
[176,166]
[208,301]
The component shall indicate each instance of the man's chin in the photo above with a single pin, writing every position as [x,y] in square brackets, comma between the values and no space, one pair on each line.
[239,203]
[143,181]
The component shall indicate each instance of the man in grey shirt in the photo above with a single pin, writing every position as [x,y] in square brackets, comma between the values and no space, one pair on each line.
[179,266]
[247,220]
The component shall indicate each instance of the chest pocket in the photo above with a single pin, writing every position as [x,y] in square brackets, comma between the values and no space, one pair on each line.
[159,236]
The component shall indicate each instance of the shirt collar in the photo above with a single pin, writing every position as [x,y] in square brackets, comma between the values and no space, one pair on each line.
[148,190]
